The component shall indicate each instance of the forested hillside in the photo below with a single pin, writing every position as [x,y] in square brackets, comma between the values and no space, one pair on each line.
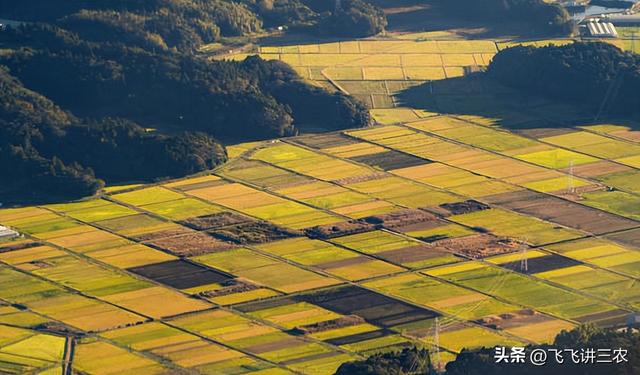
[190,23]
[599,76]
[539,16]
[81,88]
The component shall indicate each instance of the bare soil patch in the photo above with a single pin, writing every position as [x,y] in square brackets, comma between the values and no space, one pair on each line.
[631,237]
[598,169]
[190,244]
[373,307]
[401,219]
[605,319]
[512,319]
[163,234]
[180,274]
[344,262]
[324,140]
[542,264]
[560,211]
[391,160]
[360,337]
[362,178]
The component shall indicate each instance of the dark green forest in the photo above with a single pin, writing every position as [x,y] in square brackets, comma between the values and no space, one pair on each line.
[186,24]
[82,88]
[538,16]
[413,361]
[406,361]
[598,76]
[482,362]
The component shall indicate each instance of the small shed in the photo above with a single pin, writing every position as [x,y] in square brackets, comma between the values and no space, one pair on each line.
[7,233]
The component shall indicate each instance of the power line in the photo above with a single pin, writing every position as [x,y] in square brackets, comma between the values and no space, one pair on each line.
[572,186]
[524,262]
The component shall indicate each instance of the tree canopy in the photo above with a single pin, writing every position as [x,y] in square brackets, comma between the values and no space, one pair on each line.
[187,24]
[408,361]
[82,105]
[598,76]
[414,361]
[483,362]
[539,16]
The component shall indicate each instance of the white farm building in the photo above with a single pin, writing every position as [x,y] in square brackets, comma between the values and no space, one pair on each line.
[7,233]
[595,28]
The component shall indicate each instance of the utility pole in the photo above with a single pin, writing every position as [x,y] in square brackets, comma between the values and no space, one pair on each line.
[436,344]
[524,263]
[572,186]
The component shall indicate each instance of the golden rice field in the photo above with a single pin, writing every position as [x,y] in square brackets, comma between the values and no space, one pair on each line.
[303,253]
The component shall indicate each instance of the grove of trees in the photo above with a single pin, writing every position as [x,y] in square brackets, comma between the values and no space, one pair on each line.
[186,24]
[598,76]
[541,17]
[110,91]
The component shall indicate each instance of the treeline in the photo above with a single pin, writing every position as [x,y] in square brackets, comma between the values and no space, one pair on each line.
[598,76]
[233,101]
[483,362]
[76,110]
[539,16]
[47,152]
[407,361]
[413,361]
[354,18]
[188,24]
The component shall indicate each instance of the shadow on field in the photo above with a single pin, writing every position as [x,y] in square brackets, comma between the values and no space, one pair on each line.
[479,95]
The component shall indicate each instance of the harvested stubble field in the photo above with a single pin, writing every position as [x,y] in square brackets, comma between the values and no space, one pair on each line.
[303,253]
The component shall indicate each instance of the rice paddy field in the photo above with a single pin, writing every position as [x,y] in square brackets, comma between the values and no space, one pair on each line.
[306,252]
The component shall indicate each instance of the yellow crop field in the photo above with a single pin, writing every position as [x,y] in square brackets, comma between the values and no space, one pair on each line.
[301,253]
[103,358]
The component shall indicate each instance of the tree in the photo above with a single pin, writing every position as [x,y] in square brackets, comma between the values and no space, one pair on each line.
[483,362]
[597,76]
[540,16]
[408,361]
[77,99]
[354,18]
